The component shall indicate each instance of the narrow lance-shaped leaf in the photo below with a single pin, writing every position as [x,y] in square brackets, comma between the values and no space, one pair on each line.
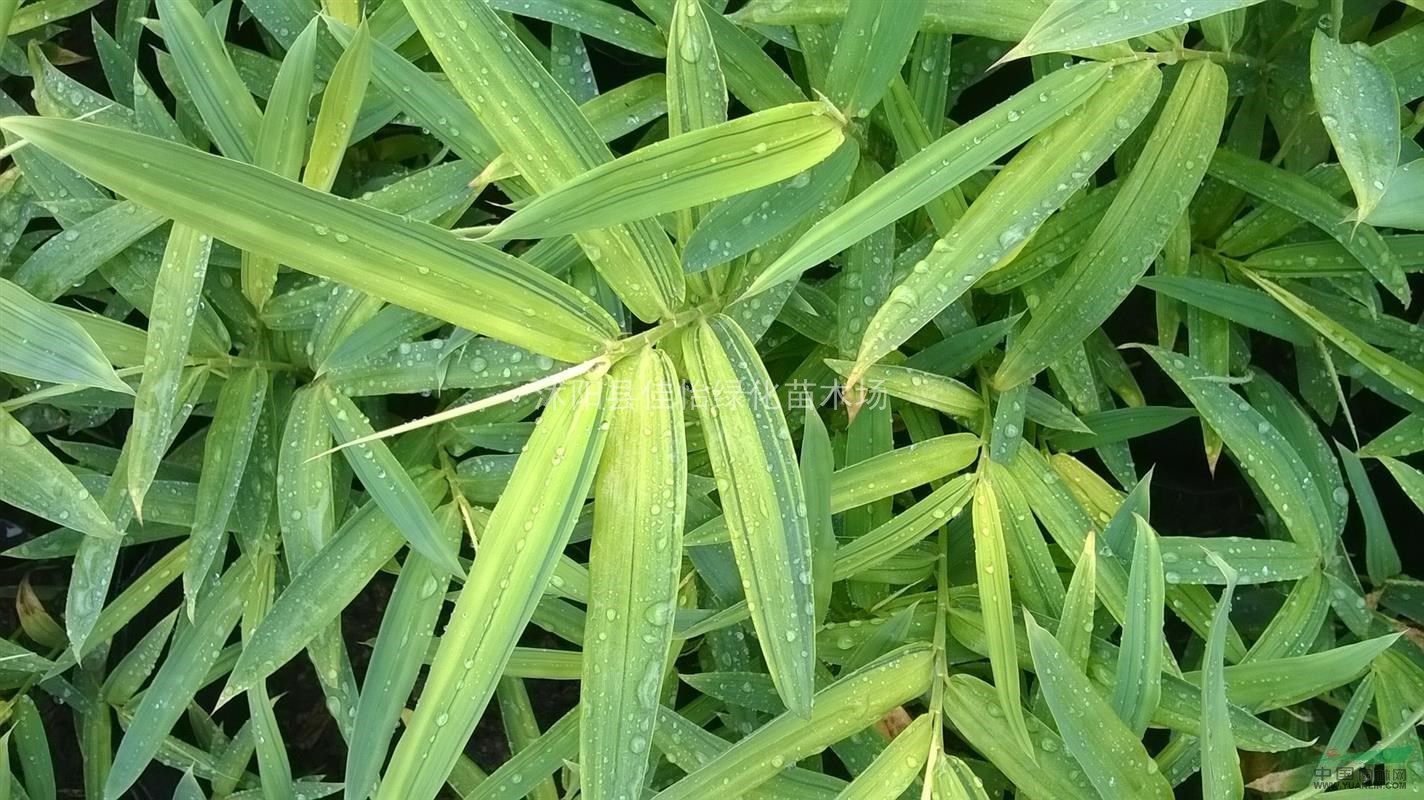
[225,452]
[527,531]
[1268,459]
[991,562]
[407,627]
[1410,479]
[177,294]
[1301,198]
[1075,628]
[34,480]
[817,466]
[541,130]
[1359,107]
[696,87]
[1039,179]
[1138,686]
[895,768]
[281,141]
[1406,377]
[873,42]
[635,559]
[213,83]
[1079,24]
[1133,229]
[936,169]
[340,106]
[696,167]
[388,483]
[849,705]
[762,496]
[1221,766]
[195,649]
[39,342]
[408,263]
[1111,755]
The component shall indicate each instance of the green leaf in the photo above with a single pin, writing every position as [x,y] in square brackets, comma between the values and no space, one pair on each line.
[936,169]
[281,143]
[851,704]
[873,43]
[40,342]
[1137,688]
[1263,685]
[896,767]
[1274,466]
[1133,229]
[408,263]
[696,167]
[1039,179]
[529,527]
[635,561]
[991,565]
[945,395]
[1221,766]
[1075,628]
[1410,479]
[1305,200]
[1252,560]
[761,493]
[388,483]
[1399,207]
[177,293]
[340,105]
[817,468]
[1403,376]
[226,449]
[195,649]
[902,531]
[1079,24]
[407,628]
[1381,558]
[1111,755]
[1359,107]
[212,81]
[540,129]
[1048,770]
[36,481]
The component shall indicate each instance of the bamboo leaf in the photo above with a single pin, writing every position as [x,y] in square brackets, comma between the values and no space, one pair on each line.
[760,489]
[851,704]
[696,167]
[528,529]
[992,569]
[1040,177]
[226,449]
[388,483]
[405,262]
[635,561]
[540,129]
[1138,687]
[873,43]
[1110,753]
[1359,107]
[1132,230]
[195,649]
[1078,24]
[895,768]
[212,80]
[936,169]
[1221,766]
[36,481]
[407,628]
[177,295]
[40,342]
[1274,466]
[1303,199]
